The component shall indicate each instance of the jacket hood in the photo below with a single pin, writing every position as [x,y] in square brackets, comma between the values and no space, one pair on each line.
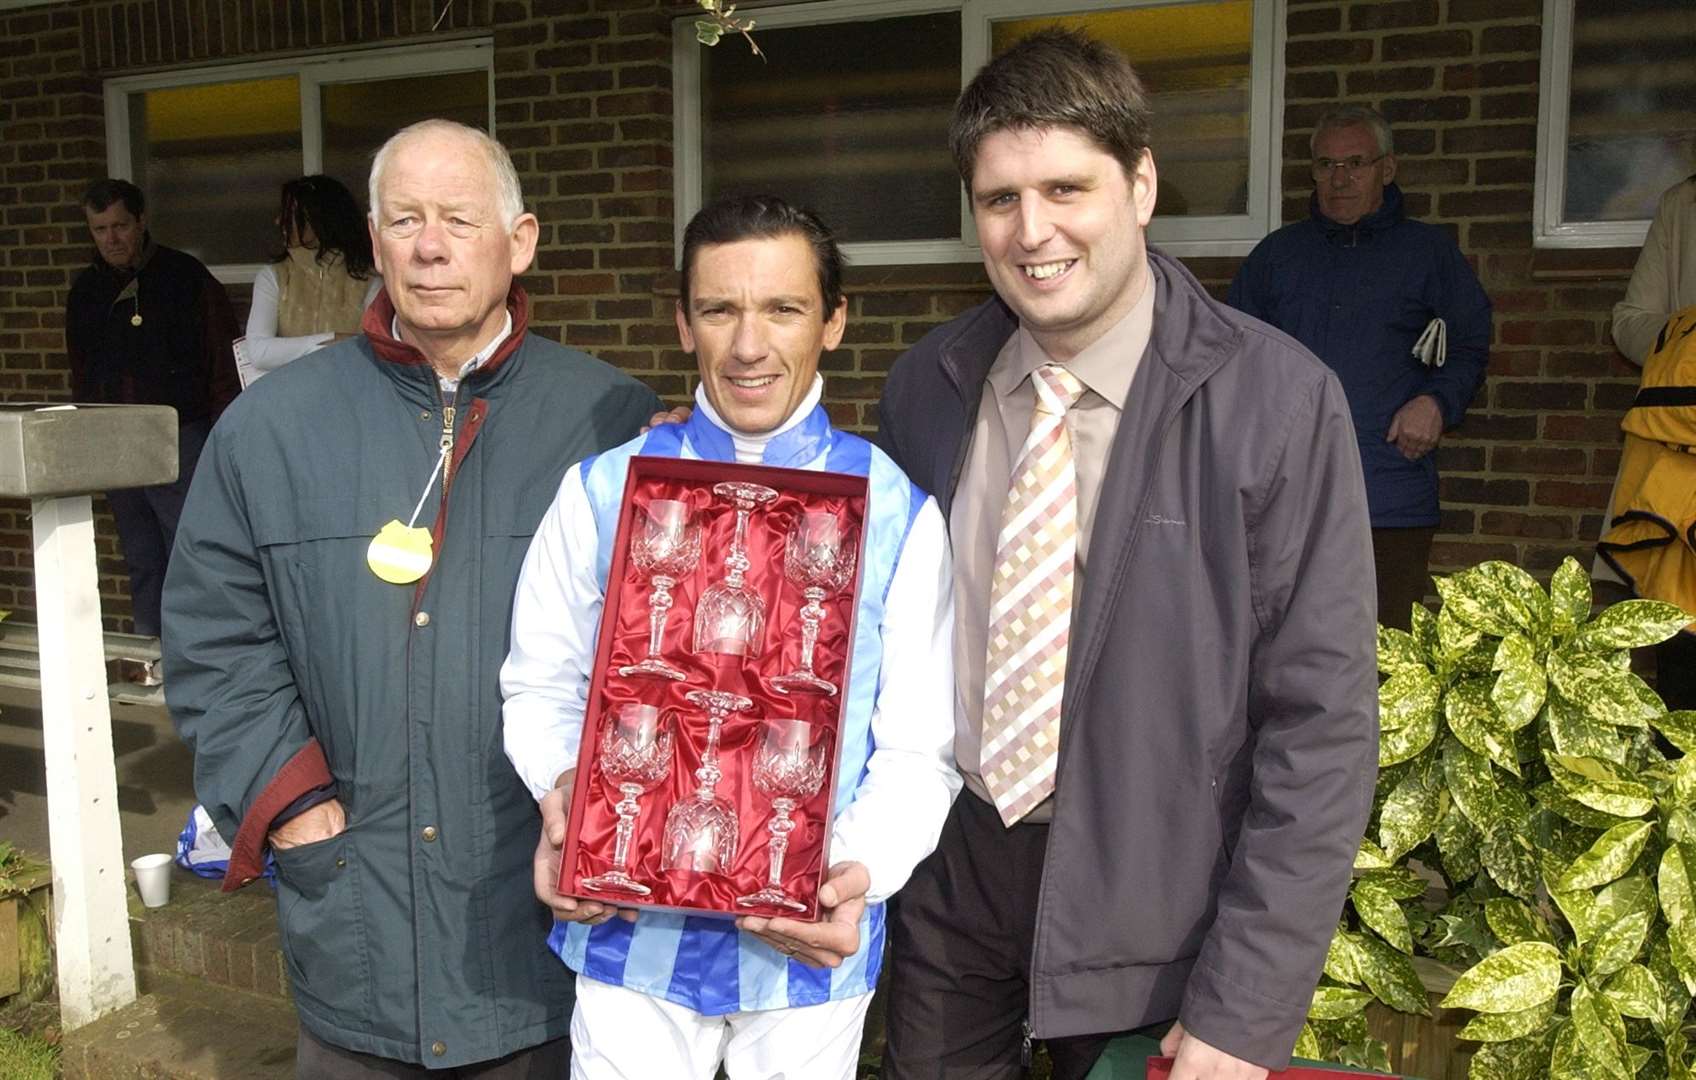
[380,318]
[1382,218]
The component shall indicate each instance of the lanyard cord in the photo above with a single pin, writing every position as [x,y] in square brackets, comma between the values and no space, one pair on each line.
[428,484]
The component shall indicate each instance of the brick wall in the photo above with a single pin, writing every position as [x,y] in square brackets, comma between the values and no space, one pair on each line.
[583,100]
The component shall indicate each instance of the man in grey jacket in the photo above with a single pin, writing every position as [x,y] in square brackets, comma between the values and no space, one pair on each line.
[337,612]
[1164,642]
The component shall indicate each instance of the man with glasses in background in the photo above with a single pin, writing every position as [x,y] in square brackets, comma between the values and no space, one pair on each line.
[1390,304]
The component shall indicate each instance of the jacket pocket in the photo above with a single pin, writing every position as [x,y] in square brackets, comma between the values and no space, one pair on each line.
[323,928]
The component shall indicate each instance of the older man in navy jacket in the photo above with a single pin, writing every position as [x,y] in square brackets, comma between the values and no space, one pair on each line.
[1359,283]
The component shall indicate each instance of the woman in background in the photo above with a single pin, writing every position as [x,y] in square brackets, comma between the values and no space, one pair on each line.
[317,290]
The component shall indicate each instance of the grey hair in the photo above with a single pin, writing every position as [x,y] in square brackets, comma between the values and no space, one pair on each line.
[509,197]
[1348,116]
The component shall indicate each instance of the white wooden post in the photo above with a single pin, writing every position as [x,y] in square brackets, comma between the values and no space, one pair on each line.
[90,915]
[54,456]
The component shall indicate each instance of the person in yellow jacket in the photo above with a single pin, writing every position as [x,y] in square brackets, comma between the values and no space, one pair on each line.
[1650,536]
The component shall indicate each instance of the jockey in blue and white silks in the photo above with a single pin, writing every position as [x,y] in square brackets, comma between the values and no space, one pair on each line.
[896,777]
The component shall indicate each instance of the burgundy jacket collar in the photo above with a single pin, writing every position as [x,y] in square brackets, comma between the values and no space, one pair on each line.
[379,323]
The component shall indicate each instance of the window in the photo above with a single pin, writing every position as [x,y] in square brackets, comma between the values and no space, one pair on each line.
[211,148]
[1617,119]
[849,114]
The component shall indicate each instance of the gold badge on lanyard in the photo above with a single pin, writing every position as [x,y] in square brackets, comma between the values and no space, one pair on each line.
[401,554]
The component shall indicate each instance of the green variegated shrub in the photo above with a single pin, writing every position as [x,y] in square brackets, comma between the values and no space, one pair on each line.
[1524,765]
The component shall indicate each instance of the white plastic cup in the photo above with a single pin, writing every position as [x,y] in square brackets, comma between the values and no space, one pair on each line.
[153,878]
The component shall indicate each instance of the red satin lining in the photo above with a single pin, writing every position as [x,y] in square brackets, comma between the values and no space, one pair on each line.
[624,640]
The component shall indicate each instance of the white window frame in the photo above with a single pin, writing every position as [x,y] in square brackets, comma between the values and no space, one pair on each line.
[1188,236]
[1554,95]
[314,72]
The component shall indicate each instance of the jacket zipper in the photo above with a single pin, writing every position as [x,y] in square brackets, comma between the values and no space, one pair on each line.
[439,530]
[448,413]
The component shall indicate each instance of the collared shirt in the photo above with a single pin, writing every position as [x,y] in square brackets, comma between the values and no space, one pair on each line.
[450,386]
[1106,369]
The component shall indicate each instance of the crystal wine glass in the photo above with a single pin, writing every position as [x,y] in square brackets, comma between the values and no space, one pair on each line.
[789,767]
[666,546]
[819,560]
[635,755]
[731,614]
[700,831]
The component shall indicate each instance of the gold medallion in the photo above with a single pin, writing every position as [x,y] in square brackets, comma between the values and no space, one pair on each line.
[400,554]
[135,320]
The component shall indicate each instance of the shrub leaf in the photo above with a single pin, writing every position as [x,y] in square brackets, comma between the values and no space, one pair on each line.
[1608,858]
[1512,980]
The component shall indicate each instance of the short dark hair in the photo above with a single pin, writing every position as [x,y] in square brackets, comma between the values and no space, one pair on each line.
[759,217]
[103,193]
[324,204]
[1054,78]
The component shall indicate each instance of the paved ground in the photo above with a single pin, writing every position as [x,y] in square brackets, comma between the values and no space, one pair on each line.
[155,776]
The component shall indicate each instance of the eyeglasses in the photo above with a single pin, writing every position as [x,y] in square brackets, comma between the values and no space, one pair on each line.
[1354,166]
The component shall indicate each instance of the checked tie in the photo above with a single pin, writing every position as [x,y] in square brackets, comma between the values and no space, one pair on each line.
[1030,606]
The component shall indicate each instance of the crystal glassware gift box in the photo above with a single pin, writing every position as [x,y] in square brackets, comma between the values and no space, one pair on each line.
[707,772]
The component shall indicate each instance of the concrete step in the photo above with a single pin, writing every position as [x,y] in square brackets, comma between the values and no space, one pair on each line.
[185,1028]
[214,999]
[227,939]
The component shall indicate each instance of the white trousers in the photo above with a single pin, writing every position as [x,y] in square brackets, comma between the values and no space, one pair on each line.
[619,1034]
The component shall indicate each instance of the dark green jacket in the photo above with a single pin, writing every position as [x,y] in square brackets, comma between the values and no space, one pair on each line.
[291,668]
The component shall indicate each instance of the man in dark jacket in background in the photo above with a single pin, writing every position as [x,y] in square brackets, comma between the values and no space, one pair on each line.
[336,616]
[1166,708]
[1361,284]
[148,325]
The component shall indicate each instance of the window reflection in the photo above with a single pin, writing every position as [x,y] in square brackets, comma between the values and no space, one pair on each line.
[359,116]
[850,119]
[1631,128]
[1194,60]
[199,153]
